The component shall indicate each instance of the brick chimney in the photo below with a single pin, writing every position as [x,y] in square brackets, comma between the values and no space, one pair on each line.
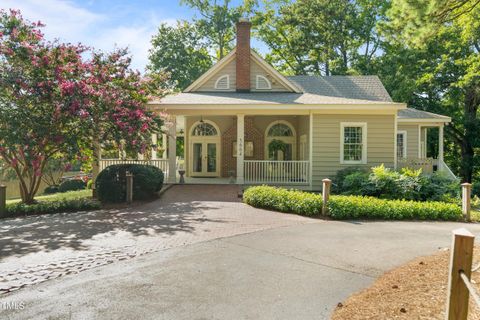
[243,55]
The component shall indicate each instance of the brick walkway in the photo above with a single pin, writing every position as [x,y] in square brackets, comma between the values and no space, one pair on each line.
[36,249]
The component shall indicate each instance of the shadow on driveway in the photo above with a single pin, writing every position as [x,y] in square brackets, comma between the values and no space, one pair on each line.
[179,210]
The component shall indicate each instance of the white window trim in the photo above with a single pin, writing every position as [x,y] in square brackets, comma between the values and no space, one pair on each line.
[264,78]
[404,132]
[291,140]
[363,125]
[219,79]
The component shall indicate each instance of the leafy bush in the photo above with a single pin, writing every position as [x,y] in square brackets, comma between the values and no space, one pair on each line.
[111,182]
[89,184]
[50,190]
[283,200]
[72,185]
[355,207]
[386,183]
[349,207]
[476,189]
[69,205]
[339,179]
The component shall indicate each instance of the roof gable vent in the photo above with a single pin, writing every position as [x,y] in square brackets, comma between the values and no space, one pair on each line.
[223,83]
[263,83]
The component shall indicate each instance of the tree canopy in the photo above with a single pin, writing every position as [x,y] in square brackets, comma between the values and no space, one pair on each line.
[54,101]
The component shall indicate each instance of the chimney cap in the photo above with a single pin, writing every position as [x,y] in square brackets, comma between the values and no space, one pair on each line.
[243,19]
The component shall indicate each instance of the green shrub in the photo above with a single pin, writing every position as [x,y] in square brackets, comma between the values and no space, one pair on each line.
[283,200]
[50,190]
[386,183]
[358,207]
[339,179]
[111,182]
[70,205]
[71,185]
[349,207]
[476,189]
[89,184]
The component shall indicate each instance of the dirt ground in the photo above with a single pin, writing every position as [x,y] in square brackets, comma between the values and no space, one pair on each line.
[417,290]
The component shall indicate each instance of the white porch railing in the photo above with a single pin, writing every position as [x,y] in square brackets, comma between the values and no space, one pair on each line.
[426,164]
[159,163]
[277,172]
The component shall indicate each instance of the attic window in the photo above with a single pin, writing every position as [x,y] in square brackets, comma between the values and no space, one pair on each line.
[223,83]
[263,83]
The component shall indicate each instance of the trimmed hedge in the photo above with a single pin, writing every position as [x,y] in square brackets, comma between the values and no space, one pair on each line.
[349,207]
[111,182]
[358,207]
[72,185]
[283,200]
[68,205]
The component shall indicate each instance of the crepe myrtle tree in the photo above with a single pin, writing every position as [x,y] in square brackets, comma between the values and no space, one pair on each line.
[55,101]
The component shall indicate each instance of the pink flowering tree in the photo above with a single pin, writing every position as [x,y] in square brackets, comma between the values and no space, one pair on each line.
[55,102]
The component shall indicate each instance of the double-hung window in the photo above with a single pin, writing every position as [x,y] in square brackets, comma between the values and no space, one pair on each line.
[401,144]
[353,147]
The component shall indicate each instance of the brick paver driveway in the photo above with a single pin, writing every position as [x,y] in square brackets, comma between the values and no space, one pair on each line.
[37,248]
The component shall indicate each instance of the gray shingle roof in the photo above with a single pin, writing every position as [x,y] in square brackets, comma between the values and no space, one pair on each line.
[316,90]
[419,114]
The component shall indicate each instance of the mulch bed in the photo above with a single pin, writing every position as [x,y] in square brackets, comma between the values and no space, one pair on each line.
[417,290]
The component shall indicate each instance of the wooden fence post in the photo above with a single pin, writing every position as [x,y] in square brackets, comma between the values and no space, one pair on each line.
[129,177]
[466,199]
[3,200]
[461,256]
[326,195]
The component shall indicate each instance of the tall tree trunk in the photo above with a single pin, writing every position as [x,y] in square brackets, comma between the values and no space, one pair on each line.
[471,132]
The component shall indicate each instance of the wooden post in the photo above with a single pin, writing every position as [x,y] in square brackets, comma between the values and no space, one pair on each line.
[3,200]
[466,199]
[129,177]
[460,260]
[326,195]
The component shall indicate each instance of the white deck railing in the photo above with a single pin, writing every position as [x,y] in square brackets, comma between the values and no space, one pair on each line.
[159,163]
[426,164]
[277,172]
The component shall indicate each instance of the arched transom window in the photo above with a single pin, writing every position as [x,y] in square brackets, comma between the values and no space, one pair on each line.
[204,129]
[280,141]
[280,130]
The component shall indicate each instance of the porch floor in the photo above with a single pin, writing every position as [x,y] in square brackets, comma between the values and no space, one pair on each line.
[213,180]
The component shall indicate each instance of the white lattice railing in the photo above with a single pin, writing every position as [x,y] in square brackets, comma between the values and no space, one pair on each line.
[277,172]
[426,164]
[159,163]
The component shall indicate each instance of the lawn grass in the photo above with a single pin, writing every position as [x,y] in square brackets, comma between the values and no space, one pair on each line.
[70,195]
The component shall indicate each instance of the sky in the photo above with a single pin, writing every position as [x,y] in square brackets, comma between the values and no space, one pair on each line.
[105,24]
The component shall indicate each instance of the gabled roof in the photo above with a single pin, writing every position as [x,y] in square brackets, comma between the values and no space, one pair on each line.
[228,58]
[314,90]
[348,87]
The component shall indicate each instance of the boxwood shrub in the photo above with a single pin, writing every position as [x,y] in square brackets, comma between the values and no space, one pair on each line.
[72,185]
[359,207]
[111,182]
[66,205]
[279,199]
[349,207]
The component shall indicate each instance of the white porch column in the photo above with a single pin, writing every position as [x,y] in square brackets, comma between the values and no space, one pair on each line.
[164,146]
[154,146]
[440,148]
[240,147]
[172,151]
